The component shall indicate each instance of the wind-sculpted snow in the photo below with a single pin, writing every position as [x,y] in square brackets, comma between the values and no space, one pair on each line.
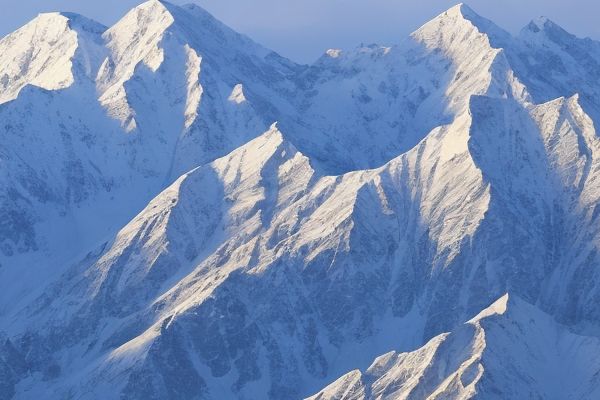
[163,237]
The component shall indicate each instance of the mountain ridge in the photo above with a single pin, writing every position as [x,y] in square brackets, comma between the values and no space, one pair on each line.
[163,237]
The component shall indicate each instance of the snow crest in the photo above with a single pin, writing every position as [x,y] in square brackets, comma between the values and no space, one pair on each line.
[162,236]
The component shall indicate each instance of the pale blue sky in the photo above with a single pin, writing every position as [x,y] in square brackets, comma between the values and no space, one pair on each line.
[303,29]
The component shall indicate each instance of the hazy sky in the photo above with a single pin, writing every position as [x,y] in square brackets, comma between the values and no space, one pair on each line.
[303,29]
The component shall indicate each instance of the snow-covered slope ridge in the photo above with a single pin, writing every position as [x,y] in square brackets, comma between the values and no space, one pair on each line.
[171,73]
[511,350]
[375,102]
[52,52]
[71,172]
[161,236]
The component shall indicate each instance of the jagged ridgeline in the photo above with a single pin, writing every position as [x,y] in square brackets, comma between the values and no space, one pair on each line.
[185,214]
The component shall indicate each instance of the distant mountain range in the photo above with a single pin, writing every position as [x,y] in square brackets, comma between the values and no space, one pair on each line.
[185,214]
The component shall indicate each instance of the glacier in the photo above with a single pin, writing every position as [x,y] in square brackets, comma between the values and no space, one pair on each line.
[186,214]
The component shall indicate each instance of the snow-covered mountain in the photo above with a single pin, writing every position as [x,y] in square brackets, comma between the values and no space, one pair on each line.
[509,350]
[186,214]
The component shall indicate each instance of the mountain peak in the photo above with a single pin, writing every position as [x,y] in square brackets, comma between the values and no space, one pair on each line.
[499,307]
[48,16]
[153,4]
[461,19]
[261,147]
[66,19]
[543,30]
[462,9]
[160,9]
[155,8]
[546,26]
[542,23]
[43,53]
[152,16]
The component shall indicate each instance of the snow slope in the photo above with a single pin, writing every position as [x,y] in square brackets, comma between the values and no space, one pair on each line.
[163,236]
[510,350]
[52,52]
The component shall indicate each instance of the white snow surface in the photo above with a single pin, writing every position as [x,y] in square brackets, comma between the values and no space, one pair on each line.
[186,214]
[510,350]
